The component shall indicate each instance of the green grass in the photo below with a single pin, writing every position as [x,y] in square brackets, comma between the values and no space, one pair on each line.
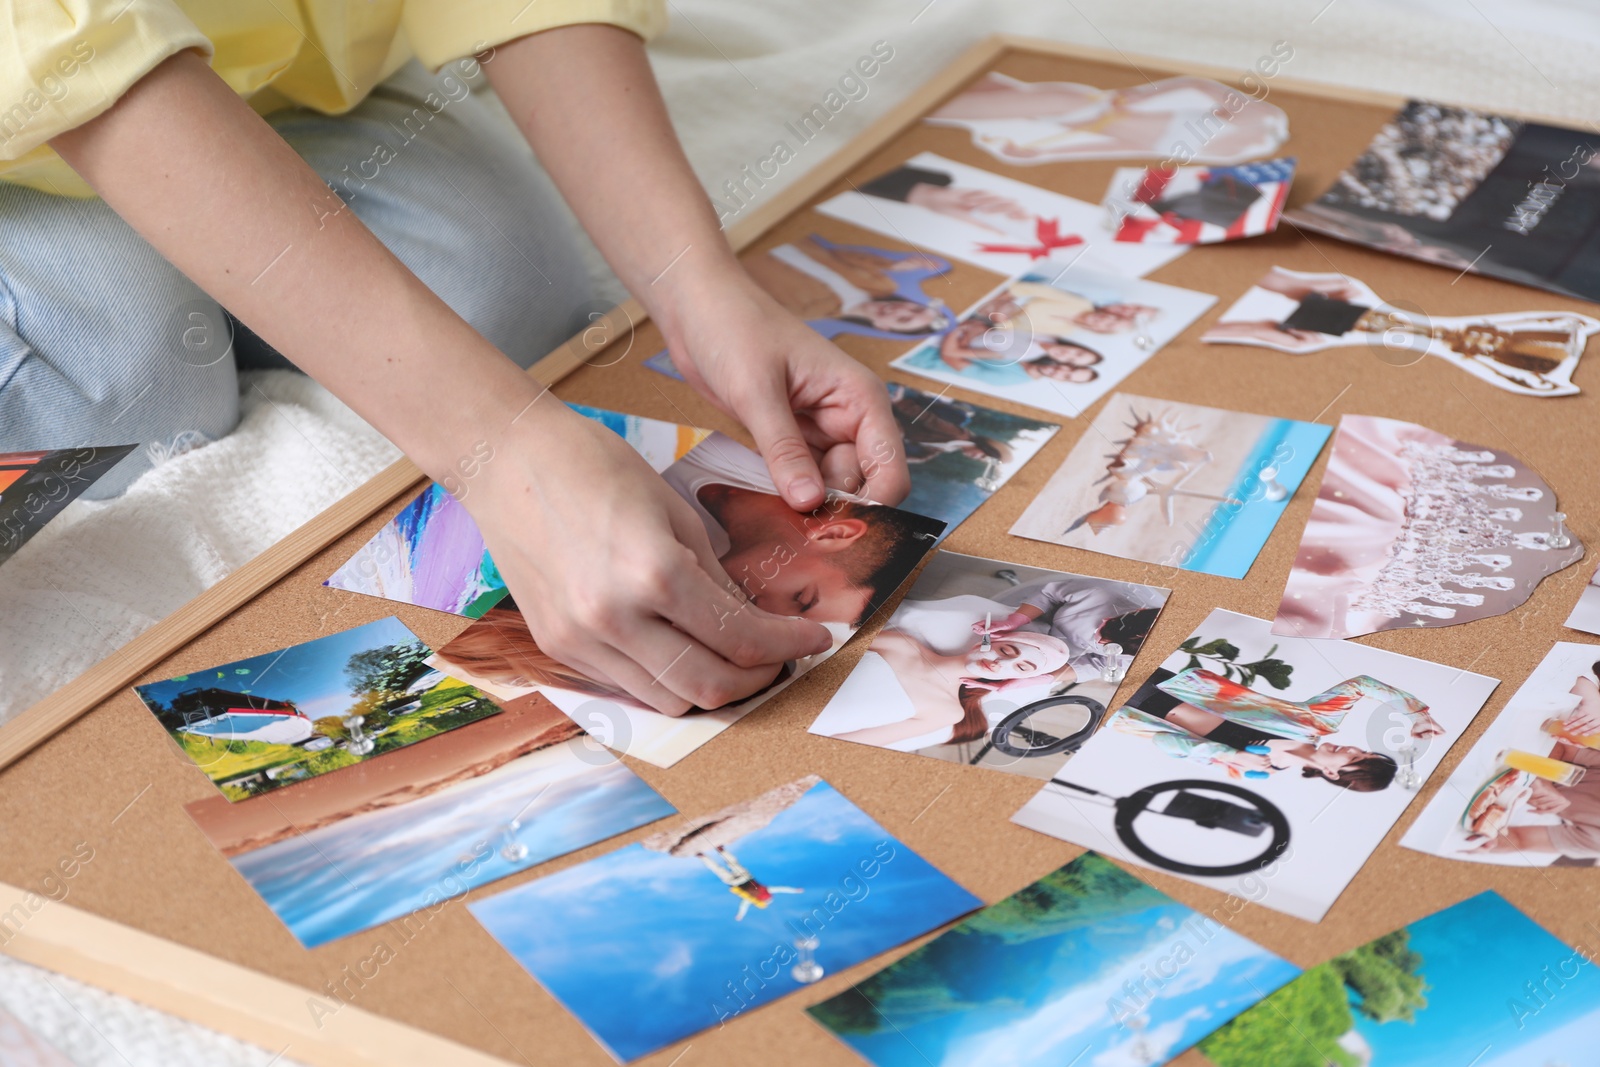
[449,704]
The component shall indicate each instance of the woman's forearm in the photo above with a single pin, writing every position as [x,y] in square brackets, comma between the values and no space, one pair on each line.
[218,193]
[587,101]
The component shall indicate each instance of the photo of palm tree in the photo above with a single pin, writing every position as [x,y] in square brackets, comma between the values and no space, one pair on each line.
[1479,983]
[1087,966]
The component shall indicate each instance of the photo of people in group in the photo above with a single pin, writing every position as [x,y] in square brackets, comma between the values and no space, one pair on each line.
[1057,338]
[994,664]
[1249,753]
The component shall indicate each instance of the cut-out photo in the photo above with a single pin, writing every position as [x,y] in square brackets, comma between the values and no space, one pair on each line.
[1198,205]
[1528,794]
[1530,353]
[414,831]
[1476,192]
[840,288]
[835,565]
[1177,484]
[994,664]
[258,724]
[1087,965]
[987,220]
[1057,338]
[432,555]
[696,925]
[1412,528]
[36,486]
[1479,983]
[1182,119]
[1248,758]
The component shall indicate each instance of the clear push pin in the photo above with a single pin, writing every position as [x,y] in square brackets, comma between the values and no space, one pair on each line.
[512,850]
[1144,342]
[359,744]
[1406,775]
[1008,576]
[1271,488]
[806,969]
[1113,671]
[1559,538]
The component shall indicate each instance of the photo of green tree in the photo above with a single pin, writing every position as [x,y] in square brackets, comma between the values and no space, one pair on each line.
[1477,983]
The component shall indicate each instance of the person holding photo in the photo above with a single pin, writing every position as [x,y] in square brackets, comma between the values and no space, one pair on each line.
[946,691]
[377,230]
[1202,716]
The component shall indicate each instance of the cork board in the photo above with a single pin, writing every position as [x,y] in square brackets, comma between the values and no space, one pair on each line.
[113,782]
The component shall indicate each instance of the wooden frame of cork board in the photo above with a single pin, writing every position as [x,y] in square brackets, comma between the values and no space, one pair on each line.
[159,916]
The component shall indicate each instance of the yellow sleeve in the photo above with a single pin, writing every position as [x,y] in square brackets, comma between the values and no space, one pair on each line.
[62,63]
[443,30]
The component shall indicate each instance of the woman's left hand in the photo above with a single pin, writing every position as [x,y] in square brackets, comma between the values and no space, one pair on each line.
[818,417]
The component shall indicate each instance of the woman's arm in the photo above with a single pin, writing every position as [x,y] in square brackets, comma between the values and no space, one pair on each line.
[615,571]
[588,103]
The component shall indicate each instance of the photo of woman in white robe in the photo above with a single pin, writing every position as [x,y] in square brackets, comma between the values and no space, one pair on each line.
[927,679]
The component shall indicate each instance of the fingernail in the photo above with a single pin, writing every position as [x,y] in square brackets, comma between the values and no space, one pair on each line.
[805,488]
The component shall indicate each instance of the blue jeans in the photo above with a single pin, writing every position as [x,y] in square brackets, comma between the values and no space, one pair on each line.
[103,342]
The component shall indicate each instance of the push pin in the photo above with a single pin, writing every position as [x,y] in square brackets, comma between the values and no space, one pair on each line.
[1407,774]
[1271,488]
[1008,576]
[512,850]
[806,970]
[359,744]
[988,621]
[1144,342]
[1559,538]
[1112,671]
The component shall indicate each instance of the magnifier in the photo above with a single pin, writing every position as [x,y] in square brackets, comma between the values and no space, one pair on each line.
[1230,811]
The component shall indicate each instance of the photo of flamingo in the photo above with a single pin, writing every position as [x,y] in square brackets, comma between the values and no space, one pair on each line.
[1177,484]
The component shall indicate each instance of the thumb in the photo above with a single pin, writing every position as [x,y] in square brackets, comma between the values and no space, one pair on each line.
[789,460]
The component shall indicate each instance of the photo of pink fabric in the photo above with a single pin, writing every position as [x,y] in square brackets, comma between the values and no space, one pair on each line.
[1412,528]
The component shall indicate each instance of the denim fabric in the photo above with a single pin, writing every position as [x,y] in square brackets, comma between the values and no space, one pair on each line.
[103,342]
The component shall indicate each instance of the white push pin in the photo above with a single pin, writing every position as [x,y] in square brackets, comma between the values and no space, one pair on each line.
[1113,670]
[806,970]
[359,744]
[1144,342]
[1559,538]
[1271,488]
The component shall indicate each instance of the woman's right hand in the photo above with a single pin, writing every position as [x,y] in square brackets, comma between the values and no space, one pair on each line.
[614,572]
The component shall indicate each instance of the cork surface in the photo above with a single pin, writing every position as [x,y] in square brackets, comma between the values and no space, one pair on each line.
[114,781]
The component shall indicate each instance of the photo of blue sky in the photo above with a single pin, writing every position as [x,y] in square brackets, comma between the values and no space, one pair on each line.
[359,872]
[643,946]
[1088,966]
[1477,984]
[311,676]
[1478,956]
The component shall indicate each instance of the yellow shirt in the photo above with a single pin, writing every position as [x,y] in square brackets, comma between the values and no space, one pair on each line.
[62,62]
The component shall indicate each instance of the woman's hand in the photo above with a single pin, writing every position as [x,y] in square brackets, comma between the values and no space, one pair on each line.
[1300,286]
[614,572]
[1267,333]
[818,417]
